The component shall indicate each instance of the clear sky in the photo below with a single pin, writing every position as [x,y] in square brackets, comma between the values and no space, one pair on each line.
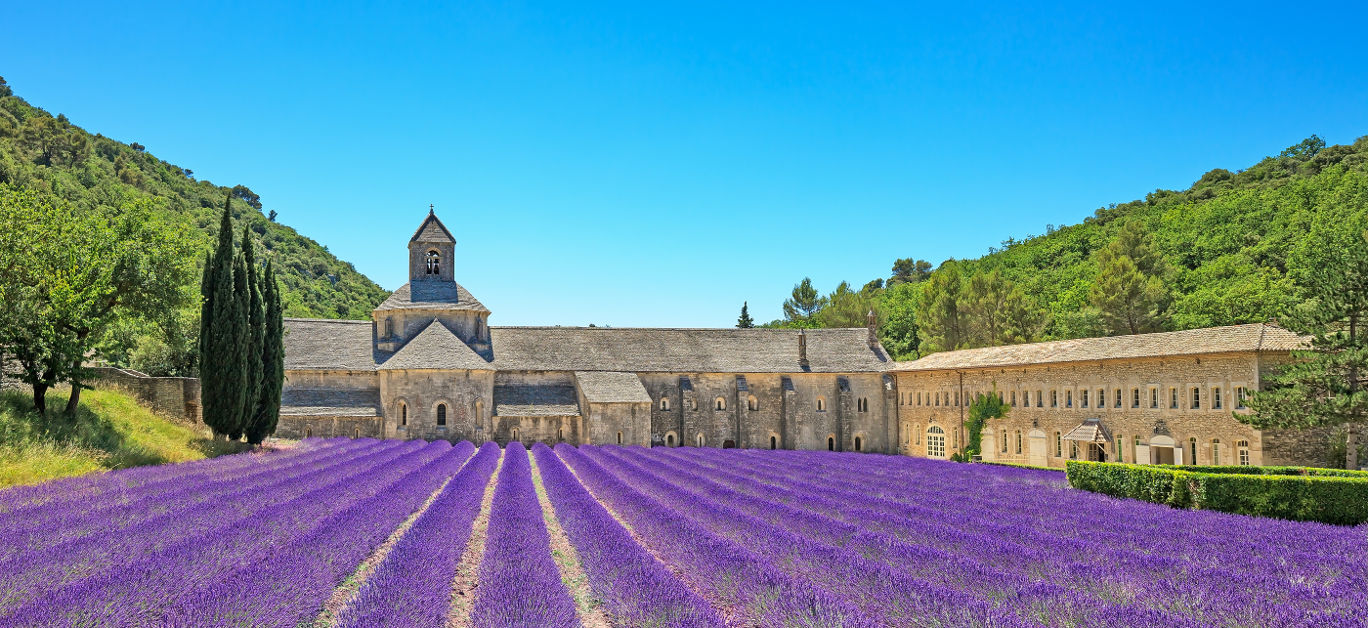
[643,164]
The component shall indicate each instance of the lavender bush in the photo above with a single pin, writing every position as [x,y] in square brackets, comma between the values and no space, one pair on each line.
[519,582]
[412,587]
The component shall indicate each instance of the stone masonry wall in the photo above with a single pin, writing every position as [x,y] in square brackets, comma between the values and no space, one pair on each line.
[171,396]
[1048,401]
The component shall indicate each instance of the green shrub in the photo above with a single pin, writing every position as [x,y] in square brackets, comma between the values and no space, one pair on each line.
[1297,493]
[1018,465]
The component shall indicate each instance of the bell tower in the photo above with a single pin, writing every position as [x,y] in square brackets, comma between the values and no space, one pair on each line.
[431,251]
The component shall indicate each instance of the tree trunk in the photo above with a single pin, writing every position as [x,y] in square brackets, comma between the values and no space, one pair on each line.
[40,399]
[1351,442]
[74,401]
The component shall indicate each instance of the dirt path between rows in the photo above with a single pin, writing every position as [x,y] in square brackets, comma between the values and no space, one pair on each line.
[468,570]
[588,608]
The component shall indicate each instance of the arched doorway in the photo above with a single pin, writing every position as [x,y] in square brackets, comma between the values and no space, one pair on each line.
[935,442]
[670,439]
[729,444]
[859,443]
[1162,450]
[774,442]
[831,443]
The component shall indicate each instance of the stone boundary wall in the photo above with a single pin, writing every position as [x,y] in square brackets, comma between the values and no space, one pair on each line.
[171,396]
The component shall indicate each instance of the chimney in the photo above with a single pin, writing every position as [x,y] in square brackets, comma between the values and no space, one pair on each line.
[872,324]
[802,348]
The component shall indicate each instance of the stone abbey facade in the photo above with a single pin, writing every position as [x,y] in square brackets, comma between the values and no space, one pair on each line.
[429,365]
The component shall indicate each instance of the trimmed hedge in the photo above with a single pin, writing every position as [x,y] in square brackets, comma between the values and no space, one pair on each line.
[1018,465]
[1253,470]
[1329,497]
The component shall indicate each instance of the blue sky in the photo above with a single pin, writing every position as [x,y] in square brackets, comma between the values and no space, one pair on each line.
[642,164]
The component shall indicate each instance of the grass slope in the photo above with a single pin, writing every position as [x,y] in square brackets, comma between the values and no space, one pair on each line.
[110,431]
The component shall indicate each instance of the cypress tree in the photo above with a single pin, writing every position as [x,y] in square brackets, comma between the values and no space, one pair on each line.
[272,360]
[235,354]
[206,311]
[220,365]
[255,332]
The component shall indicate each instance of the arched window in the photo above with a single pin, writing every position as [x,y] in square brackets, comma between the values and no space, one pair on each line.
[515,435]
[434,263]
[308,432]
[1242,452]
[700,439]
[752,403]
[560,434]
[774,442]
[821,404]
[1215,452]
[403,414]
[859,443]
[831,443]
[935,442]
[356,433]
[665,403]
[720,403]
[619,438]
[441,414]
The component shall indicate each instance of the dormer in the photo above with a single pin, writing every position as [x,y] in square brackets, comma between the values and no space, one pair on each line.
[431,251]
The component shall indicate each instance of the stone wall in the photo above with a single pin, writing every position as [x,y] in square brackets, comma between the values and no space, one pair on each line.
[171,396]
[757,410]
[466,395]
[329,427]
[1047,401]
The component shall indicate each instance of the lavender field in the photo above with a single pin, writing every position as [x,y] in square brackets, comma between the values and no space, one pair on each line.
[390,533]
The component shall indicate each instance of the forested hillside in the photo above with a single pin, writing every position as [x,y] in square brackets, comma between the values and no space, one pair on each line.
[1217,253]
[64,163]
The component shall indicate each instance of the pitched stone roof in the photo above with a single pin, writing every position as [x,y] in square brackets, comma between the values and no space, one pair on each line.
[312,344]
[436,348]
[725,350]
[1234,338]
[432,295]
[535,400]
[611,387]
[330,402]
[432,231]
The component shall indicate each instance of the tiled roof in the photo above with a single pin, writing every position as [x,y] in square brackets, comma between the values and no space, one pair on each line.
[535,400]
[639,350]
[432,231]
[1089,431]
[611,387]
[329,402]
[428,294]
[1234,338]
[436,348]
[328,344]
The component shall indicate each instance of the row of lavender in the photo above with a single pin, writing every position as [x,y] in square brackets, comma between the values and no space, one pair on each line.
[900,541]
[241,543]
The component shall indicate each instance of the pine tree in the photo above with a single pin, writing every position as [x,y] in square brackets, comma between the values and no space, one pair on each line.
[1130,293]
[804,302]
[255,331]
[273,362]
[1324,387]
[745,321]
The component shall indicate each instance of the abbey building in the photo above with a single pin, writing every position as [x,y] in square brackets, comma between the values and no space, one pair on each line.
[429,365]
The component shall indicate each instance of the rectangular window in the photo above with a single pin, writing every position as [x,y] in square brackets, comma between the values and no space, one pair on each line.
[1013,398]
[1118,398]
[1101,398]
[1040,399]
[1196,398]
[1135,397]
[1240,398]
[1068,399]
[1173,398]
[1154,398]
[1244,456]
[1120,451]
[1054,398]
[1083,401]
[1059,445]
[1215,398]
